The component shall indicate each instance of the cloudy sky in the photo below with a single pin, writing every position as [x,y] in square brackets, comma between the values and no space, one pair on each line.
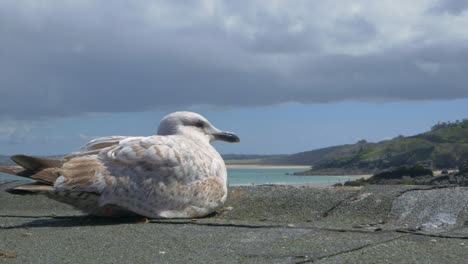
[287,76]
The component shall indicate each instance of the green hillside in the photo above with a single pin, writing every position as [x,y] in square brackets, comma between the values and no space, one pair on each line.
[444,146]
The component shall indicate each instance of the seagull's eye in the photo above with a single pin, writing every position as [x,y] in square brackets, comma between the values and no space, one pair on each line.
[199,124]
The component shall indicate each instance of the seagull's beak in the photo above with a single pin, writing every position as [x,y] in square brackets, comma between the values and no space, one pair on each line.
[226,136]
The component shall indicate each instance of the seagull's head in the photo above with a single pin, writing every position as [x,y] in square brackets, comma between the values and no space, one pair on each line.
[193,125]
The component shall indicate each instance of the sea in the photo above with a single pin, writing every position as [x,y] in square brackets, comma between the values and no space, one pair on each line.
[260,176]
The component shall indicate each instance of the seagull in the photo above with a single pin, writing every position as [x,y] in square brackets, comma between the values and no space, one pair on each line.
[174,174]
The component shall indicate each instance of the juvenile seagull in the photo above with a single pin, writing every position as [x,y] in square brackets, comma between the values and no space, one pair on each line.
[174,174]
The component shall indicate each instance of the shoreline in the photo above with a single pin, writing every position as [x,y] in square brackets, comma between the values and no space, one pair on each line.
[252,166]
[344,175]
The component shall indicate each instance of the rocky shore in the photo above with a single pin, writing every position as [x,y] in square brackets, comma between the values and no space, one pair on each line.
[259,224]
[416,175]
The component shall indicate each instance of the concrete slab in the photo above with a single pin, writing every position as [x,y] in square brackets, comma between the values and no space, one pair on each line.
[260,224]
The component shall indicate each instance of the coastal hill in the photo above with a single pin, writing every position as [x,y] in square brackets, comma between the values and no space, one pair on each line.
[444,146]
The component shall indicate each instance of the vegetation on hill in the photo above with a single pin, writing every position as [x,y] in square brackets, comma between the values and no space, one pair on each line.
[444,146]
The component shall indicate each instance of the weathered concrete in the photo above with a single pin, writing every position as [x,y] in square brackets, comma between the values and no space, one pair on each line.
[260,224]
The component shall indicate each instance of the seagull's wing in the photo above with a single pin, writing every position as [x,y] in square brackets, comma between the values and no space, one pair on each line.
[154,151]
[129,162]
[84,177]
[103,142]
[90,171]
[96,145]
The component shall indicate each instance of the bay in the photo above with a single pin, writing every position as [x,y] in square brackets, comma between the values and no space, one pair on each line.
[258,176]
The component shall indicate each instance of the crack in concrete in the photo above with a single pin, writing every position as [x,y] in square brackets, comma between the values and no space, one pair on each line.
[192,222]
[461,211]
[419,233]
[84,220]
[350,250]
[252,226]
[349,230]
[338,204]
[80,220]
[426,189]
[34,216]
[340,230]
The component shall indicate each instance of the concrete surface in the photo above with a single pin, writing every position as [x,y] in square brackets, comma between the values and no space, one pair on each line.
[260,224]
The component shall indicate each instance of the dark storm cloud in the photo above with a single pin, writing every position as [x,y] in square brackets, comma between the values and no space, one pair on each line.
[60,60]
[400,75]
[455,7]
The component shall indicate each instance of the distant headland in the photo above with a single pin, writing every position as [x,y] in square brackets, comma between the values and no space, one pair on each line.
[444,146]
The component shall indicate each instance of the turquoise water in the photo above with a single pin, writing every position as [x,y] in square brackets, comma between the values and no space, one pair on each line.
[260,176]
[278,176]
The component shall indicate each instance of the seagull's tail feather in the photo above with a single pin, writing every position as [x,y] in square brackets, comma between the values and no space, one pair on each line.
[13,170]
[35,163]
[44,170]
[33,188]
